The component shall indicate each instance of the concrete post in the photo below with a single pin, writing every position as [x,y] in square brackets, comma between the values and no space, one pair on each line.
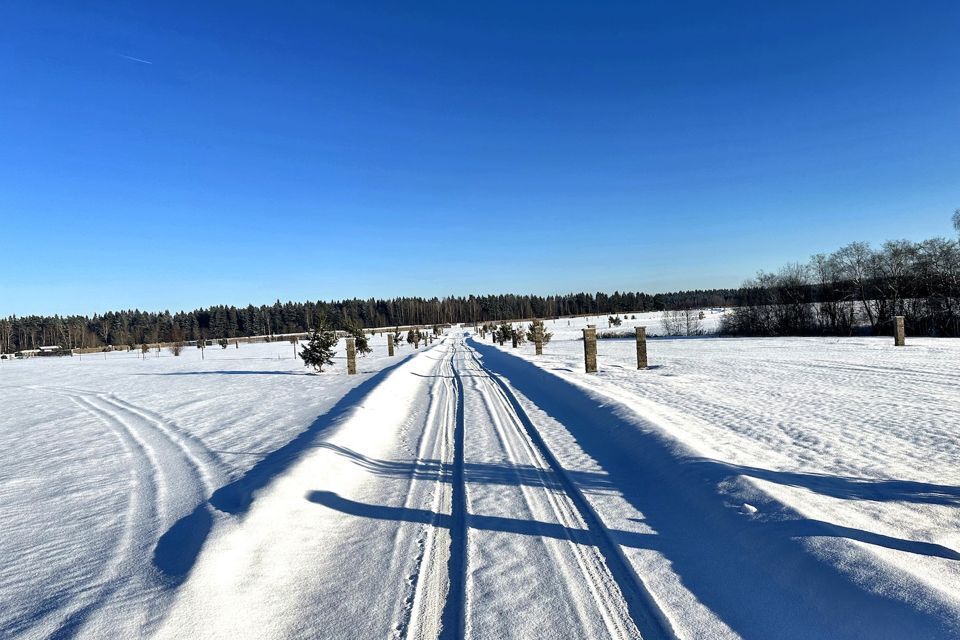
[389,344]
[899,333]
[641,347]
[351,356]
[590,349]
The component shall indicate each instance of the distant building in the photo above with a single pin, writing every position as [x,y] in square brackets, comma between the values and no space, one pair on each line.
[51,350]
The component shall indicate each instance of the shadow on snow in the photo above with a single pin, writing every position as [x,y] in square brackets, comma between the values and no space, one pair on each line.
[177,549]
[759,574]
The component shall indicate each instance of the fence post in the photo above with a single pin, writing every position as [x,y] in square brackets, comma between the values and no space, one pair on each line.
[641,347]
[351,356]
[513,337]
[539,345]
[389,344]
[899,333]
[590,349]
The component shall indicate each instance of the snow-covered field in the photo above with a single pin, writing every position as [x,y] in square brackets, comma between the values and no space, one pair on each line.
[849,447]
[781,488]
[101,457]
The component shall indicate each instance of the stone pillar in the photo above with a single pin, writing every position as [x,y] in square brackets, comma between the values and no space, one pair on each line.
[389,344]
[351,356]
[641,347]
[899,333]
[590,349]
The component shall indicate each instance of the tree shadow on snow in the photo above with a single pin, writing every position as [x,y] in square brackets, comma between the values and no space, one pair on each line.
[761,574]
[227,373]
[178,548]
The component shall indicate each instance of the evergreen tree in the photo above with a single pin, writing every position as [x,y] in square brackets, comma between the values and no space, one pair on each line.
[360,339]
[518,334]
[414,337]
[536,332]
[319,351]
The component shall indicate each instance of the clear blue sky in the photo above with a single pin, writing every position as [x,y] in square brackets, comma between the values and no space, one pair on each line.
[172,155]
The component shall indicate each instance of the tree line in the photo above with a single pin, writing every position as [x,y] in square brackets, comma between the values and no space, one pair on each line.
[857,289]
[133,327]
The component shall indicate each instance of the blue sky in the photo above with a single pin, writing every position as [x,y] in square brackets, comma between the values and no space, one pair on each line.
[173,155]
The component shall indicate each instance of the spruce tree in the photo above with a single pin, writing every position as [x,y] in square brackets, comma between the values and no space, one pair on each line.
[414,337]
[360,339]
[319,351]
[504,332]
[536,332]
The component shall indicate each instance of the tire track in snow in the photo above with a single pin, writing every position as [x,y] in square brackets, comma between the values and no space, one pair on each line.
[171,473]
[626,608]
[423,606]
[453,620]
[119,569]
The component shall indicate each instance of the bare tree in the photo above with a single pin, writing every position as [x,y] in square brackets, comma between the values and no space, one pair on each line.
[176,345]
[856,261]
[692,324]
[672,322]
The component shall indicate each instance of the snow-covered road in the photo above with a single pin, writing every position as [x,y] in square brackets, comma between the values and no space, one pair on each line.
[431,510]
[457,491]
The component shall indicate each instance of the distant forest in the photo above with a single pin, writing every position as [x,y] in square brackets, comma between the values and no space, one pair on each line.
[854,290]
[116,328]
[857,289]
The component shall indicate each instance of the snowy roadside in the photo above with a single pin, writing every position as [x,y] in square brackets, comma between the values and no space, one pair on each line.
[333,544]
[859,439]
[101,458]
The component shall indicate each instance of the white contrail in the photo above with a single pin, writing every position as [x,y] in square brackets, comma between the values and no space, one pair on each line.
[141,60]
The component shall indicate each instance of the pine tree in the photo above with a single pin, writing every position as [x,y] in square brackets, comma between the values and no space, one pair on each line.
[319,351]
[360,339]
[414,337]
[536,332]
[504,332]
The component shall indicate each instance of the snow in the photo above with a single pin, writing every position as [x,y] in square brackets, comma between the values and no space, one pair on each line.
[101,456]
[852,441]
[757,488]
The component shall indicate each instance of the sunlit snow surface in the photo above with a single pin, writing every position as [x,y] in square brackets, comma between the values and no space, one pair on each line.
[860,440]
[102,455]
[762,488]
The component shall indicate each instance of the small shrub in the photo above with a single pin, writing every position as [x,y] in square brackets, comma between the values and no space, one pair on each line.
[319,352]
